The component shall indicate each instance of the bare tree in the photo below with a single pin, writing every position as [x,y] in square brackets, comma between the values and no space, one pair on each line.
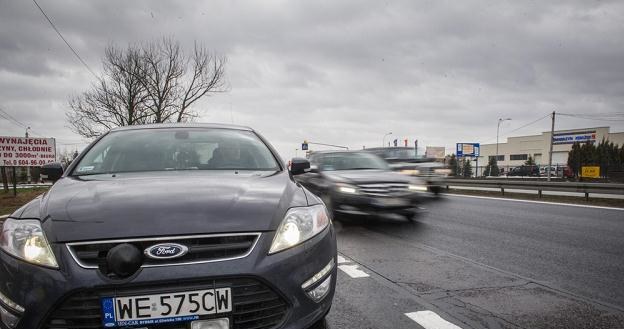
[152,83]
[116,99]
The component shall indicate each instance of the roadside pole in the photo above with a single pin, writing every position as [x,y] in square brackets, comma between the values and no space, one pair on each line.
[552,138]
[5,179]
[14,182]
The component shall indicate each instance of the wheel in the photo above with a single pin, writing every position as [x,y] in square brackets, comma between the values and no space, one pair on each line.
[412,216]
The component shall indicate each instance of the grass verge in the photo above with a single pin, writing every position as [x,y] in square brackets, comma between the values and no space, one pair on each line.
[10,203]
[618,203]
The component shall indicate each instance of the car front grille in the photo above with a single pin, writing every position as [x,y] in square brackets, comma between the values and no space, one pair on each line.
[201,248]
[384,189]
[254,305]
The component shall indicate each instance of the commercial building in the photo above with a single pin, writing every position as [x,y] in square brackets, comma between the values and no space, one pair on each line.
[516,150]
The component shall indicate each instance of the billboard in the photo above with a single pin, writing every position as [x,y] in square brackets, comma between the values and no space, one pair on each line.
[576,136]
[468,150]
[26,152]
[437,152]
[590,171]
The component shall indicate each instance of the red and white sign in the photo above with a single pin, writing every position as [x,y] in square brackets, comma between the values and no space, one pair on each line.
[26,152]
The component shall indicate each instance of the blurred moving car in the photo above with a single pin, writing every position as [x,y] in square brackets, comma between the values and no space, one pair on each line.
[361,183]
[405,161]
[531,171]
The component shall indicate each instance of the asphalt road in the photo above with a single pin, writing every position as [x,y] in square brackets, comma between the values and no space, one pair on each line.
[483,263]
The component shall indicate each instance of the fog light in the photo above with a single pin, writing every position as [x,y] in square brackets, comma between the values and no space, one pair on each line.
[318,276]
[8,302]
[321,291]
[8,318]
[223,323]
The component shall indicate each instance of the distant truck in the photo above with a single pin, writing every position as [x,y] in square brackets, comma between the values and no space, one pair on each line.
[406,161]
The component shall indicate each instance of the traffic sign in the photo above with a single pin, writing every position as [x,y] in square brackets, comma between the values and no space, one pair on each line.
[304,146]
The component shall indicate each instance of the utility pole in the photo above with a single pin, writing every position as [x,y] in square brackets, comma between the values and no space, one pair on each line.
[497,130]
[552,138]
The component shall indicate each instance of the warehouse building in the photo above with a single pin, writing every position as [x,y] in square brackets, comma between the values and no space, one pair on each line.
[516,150]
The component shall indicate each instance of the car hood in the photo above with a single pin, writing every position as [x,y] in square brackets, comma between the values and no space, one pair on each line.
[176,203]
[368,176]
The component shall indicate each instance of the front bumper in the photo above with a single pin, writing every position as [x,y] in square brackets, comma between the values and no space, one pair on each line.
[365,205]
[42,291]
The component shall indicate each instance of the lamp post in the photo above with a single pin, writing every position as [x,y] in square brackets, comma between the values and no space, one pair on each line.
[497,130]
[383,141]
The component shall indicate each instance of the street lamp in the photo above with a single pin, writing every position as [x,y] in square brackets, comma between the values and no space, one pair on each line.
[497,130]
[383,141]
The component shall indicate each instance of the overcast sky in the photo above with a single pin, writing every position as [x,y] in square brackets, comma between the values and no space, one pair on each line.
[339,72]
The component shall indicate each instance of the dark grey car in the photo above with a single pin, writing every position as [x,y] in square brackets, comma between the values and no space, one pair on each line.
[361,183]
[172,227]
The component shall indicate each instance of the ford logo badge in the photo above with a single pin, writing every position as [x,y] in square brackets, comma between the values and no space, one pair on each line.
[166,251]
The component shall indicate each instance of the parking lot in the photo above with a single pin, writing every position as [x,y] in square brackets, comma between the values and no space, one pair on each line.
[483,263]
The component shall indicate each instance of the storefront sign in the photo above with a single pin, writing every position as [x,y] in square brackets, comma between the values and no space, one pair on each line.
[572,137]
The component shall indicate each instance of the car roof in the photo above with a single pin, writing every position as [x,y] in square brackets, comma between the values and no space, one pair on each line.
[389,148]
[182,125]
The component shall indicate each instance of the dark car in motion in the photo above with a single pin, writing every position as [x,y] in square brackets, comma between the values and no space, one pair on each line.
[531,171]
[361,183]
[172,227]
[406,161]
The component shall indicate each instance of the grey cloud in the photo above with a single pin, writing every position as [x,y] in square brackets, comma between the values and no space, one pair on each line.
[340,71]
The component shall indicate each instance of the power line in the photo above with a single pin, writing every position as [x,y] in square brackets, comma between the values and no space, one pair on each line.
[612,117]
[64,40]
[530,123]
[5,115]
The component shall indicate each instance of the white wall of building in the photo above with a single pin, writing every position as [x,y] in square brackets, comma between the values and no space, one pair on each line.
[537,146]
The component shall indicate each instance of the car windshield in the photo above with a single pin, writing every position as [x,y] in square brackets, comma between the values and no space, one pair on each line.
[351,161]
[176,149]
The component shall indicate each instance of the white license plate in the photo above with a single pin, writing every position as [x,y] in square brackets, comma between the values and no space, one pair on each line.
[392,202]
[164,308]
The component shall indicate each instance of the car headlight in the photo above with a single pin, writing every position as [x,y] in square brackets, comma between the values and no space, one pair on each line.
[346,188]
[299,224]
[442,171]
[411,172]
[26,240]
[413,187]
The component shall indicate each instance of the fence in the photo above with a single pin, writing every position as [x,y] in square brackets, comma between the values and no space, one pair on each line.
[541,186]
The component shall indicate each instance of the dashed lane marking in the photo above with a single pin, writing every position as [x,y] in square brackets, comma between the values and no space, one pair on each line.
[430,320]
[353,271]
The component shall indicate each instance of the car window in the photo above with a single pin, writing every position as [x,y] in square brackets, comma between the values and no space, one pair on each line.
[176,149]
[351,161]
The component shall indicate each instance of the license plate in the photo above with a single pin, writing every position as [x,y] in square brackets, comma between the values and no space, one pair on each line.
[164,308]
[392,202]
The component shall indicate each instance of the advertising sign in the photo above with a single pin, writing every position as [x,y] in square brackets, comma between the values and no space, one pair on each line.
[576,136]
[436,152]
[468,149]
[590,171]
[26,152]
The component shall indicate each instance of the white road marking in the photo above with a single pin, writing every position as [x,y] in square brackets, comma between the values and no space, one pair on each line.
[353,271]
[342,260]
[532,201]
[430,320]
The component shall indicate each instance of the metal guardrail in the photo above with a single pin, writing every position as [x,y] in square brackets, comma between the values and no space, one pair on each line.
[572,187]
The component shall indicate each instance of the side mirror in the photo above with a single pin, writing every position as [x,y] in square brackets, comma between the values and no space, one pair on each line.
[315,169]
[299,166]
[52,171]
